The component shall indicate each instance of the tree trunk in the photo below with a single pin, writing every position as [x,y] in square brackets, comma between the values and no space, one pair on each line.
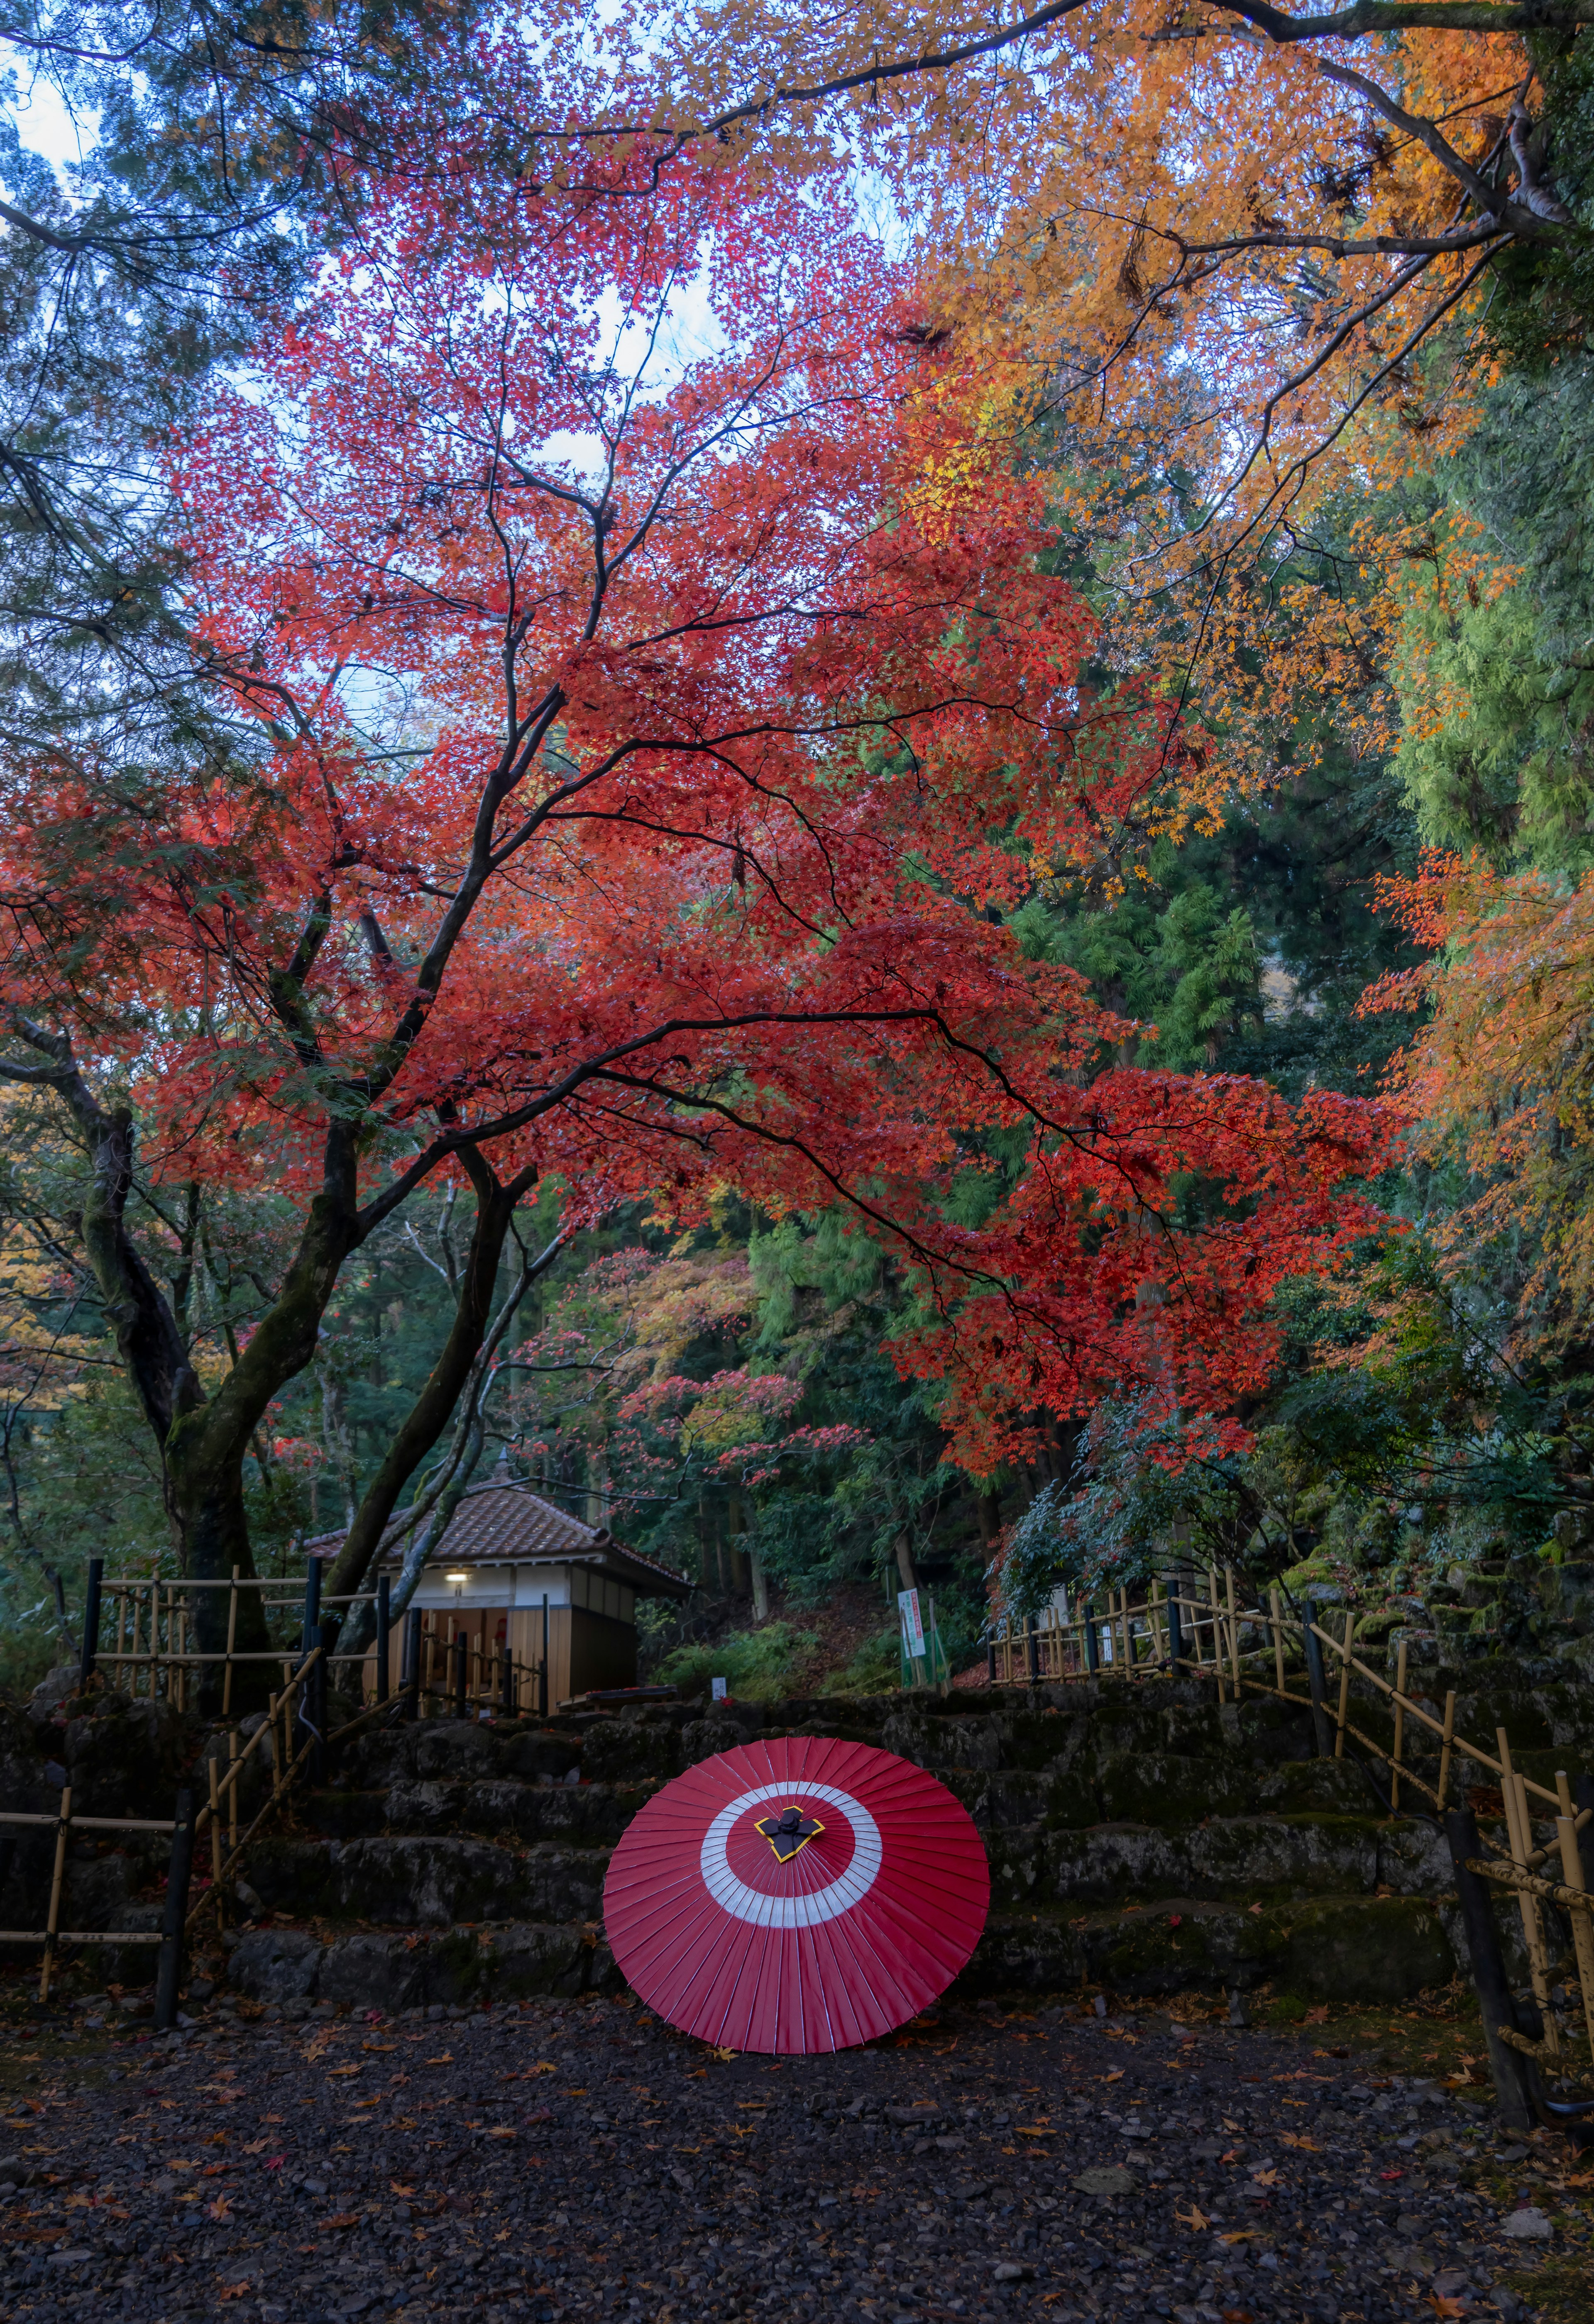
[904,1561]
[203,1442]
[434,1409]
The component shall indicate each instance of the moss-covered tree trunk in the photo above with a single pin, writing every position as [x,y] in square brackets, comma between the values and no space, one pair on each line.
[203,1441]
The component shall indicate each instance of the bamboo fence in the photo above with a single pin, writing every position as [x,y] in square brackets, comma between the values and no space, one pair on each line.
[1198,1630]
[151,1652]
[52,1936]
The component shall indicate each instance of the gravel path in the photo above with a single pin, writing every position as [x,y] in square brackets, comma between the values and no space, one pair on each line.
[579,2159]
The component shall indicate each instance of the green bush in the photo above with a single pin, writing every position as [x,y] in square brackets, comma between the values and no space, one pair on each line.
[756,1665]
[874,1669]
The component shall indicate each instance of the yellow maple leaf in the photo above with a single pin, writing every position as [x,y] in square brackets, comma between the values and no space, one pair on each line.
[1195,2219]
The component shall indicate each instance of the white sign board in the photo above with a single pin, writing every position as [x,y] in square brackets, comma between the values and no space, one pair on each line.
[907,1606]
[717,1690]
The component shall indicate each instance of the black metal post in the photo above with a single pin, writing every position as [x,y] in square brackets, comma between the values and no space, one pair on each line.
[1583,1793]
[543,1688]
[174,1915]
[384,1626]
[1314,1680]
[460,1650]
[1509,2068]
[412,1680]
[1092,1643]
[96,1566]
[312,1606]
[1032,1654]
[508,1696]
[1175,1626]
[316,1689]
[990,1662]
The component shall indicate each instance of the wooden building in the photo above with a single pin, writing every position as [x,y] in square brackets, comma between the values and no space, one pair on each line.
[511,1568]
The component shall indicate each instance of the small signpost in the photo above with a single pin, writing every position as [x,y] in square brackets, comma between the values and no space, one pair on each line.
[717,1690]
[924,1658]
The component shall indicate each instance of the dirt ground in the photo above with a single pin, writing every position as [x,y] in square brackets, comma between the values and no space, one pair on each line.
[581,2160]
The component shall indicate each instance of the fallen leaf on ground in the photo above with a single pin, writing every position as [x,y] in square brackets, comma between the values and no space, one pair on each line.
[1194,2219]
[1306,2146]
[393,2188]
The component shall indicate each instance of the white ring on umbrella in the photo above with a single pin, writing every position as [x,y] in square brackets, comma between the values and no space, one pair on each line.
[745,1903]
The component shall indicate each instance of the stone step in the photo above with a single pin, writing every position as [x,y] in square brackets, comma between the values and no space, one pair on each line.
[386,1969]
[1329,1946]
[436,1878]
[1338,1948]
[1257,1859]
[435,1882]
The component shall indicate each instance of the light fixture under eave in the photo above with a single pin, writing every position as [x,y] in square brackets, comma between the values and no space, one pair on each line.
[457,1577]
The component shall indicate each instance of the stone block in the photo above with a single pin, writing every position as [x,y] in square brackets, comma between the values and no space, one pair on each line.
[701,1738]
[275,1964]
[629,1751]
[454,1750]
[1373,1947]
[373,1969]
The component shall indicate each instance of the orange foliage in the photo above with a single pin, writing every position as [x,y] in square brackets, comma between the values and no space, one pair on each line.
[1502,1074]
[1211,244]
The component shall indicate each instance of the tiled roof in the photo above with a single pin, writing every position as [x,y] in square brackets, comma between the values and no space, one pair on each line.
[500,1523]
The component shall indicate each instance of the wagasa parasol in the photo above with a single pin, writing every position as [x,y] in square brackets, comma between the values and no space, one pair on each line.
[797,1896]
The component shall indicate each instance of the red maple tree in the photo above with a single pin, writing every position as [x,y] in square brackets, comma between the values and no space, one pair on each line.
[641,670]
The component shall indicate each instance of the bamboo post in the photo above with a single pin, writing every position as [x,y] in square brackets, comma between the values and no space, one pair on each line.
[1276,1624]
[1234,1631]
[1519,1826]
[232,1759]
[1582,1919]
[1217,1639]
[52,1923]
[1446,1739]
[1175,1626]
[1092,1641]
[232,1635]
[1400,1724]
[1345,1684]
[215,1835]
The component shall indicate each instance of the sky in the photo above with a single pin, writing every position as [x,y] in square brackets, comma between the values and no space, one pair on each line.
[43,122]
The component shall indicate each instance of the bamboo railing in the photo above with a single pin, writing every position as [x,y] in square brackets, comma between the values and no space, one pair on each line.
[150,1653]
[1200,1629]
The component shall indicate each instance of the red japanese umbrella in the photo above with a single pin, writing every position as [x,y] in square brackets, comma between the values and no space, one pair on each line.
[796,1896]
